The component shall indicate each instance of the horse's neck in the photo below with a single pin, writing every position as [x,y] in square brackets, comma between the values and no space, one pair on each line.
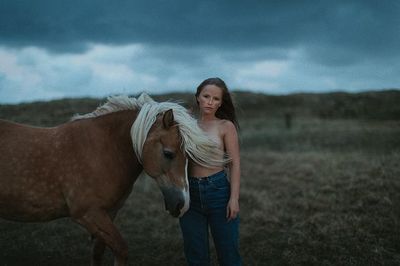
[112,131]
[118,123]
[118,126]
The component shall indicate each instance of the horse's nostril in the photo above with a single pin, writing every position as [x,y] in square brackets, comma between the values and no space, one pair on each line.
[174,200]
[180,205]
[177,211]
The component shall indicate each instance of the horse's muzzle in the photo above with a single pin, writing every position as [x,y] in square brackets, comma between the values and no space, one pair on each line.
[174,199]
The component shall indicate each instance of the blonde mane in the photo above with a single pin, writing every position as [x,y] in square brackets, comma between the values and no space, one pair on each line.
[195,143]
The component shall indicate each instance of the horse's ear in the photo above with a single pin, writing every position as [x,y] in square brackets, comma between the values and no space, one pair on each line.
[168,119]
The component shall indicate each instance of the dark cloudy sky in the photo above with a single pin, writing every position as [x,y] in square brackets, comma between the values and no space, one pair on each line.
[54,49]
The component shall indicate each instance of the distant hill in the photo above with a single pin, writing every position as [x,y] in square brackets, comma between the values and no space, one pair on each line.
[372,105]
[382,105]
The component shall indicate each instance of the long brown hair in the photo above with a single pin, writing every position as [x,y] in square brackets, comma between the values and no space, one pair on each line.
[227,109]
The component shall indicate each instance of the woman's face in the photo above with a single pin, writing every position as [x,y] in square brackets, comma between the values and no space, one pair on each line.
[210,99]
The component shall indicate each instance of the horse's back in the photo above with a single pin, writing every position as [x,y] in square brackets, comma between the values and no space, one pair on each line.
[18,142]
[9,129]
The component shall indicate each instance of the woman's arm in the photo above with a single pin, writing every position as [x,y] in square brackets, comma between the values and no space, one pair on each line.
[231,142]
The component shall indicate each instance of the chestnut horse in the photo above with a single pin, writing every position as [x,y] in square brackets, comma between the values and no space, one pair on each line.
[86,168]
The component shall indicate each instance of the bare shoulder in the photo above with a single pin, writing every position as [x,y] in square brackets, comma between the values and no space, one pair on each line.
[230,138]
[227,126]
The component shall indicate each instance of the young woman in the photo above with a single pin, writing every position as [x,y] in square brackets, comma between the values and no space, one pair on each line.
[214,197]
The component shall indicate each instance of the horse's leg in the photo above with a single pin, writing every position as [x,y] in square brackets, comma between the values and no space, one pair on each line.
[97,252]
[100,225]
[99,247]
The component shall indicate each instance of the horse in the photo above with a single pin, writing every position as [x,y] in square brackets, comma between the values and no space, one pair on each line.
[85,168]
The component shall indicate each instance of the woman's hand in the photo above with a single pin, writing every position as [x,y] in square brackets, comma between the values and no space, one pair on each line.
[232,210]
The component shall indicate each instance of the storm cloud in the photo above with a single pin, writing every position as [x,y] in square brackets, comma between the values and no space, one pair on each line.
[104,47]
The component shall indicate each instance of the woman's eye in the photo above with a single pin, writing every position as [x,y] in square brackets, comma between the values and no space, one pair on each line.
[169,155]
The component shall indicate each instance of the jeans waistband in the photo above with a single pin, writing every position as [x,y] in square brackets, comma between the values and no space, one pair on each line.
[210,177]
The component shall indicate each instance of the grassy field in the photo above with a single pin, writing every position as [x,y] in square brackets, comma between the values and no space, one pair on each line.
[325,191]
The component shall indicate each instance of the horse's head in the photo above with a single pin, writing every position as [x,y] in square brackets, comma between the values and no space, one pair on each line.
[164,159]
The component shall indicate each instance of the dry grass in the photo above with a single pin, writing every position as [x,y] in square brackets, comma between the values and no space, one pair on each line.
[320,209]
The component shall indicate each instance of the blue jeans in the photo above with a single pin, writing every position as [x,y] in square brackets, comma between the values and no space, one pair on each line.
[208,201]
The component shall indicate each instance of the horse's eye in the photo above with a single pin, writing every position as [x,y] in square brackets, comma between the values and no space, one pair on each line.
[169,154]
